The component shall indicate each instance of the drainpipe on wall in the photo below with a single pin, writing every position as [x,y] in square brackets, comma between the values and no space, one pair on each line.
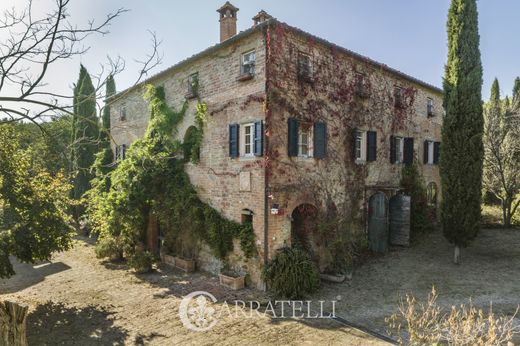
[266,145]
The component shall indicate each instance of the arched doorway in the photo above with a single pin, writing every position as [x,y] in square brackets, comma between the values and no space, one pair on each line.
[378,223]
[431,194]
[190,139]
[304,230]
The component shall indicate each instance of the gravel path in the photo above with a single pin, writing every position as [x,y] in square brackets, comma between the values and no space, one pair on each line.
[78,300]
[489,272]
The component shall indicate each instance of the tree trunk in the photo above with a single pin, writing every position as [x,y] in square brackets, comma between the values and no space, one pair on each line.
[13,324]
[456,255]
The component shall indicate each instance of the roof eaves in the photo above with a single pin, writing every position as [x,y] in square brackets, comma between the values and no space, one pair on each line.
[181,63]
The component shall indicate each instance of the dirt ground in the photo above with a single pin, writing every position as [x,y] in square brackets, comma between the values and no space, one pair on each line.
[489,273]
[79,300]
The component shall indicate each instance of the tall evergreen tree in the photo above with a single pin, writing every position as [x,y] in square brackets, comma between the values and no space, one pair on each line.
[105,158]
[86,133]
[105,121]
[462,148]
[516,91]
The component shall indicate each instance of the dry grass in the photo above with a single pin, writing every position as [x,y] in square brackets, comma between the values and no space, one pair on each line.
[492,217]
[426,324]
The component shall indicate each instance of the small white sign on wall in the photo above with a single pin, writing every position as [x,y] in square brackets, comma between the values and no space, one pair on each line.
[245,181]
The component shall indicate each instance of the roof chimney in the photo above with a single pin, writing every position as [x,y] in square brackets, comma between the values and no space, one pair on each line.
[228,21]
[261,17]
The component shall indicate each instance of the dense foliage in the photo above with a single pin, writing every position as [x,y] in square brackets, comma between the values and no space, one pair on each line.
[33,205]
[292,274]
[49,142]
[462,149]
[151,182]
[501,176]
[413,185]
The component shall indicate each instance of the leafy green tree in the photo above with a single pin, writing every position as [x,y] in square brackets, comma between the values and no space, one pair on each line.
[462,148]
[86,134]
[50,142]
[33,205]
[502,152]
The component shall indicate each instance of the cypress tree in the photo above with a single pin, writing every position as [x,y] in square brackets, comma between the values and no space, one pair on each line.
[516,91]
[106,156]
[462,147]
[86,133]
[110,90]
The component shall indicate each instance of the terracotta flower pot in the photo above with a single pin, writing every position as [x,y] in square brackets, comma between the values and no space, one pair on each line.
[186,265]
[233,282]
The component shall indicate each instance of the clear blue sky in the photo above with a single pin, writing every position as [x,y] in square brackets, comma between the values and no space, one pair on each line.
[409,35]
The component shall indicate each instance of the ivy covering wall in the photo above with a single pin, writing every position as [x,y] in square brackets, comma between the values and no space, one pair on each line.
[151,181]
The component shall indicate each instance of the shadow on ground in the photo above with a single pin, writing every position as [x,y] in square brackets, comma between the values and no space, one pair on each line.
[56,324]
[32,274]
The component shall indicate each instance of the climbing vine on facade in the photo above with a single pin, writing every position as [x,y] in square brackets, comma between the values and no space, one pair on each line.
[151,182]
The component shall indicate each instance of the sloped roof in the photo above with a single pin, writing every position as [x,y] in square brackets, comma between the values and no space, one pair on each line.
[259,27]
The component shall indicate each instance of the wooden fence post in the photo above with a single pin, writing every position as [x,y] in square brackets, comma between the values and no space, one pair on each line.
[13,318]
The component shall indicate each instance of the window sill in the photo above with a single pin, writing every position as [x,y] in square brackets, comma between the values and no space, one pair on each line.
[245,77]
[191,95]
[304,158]
[305,78]
[248,157]
[360,162]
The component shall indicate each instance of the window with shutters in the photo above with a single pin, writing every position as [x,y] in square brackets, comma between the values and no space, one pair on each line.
[304,140]
[428,151]
[365,146]
[247,65]
[248,139]
[399,149]
[431,152]
[304,67]
[360,146]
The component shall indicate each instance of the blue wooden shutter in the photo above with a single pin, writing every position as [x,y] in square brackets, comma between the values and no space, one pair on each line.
[320,140]
[258,138]
[436,152]
[393,155]
[233,140]
[408,150]
[371,146]
[292,142]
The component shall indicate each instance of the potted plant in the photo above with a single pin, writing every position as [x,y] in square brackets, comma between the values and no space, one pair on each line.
[185,261]
[166,257]
[142,261]
[232,279]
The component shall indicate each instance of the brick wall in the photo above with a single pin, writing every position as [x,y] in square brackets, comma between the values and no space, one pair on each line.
[330,97]
[217,176]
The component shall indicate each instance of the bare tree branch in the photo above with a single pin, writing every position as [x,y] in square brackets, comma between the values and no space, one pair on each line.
[34,44]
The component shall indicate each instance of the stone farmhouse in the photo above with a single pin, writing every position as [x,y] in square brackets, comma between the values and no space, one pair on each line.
[298,130]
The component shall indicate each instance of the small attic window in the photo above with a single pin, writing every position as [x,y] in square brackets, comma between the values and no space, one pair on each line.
[304,67]
[193,85]
[122,113]
[247,65]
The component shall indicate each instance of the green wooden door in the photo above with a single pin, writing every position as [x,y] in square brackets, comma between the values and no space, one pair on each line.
[377,223]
